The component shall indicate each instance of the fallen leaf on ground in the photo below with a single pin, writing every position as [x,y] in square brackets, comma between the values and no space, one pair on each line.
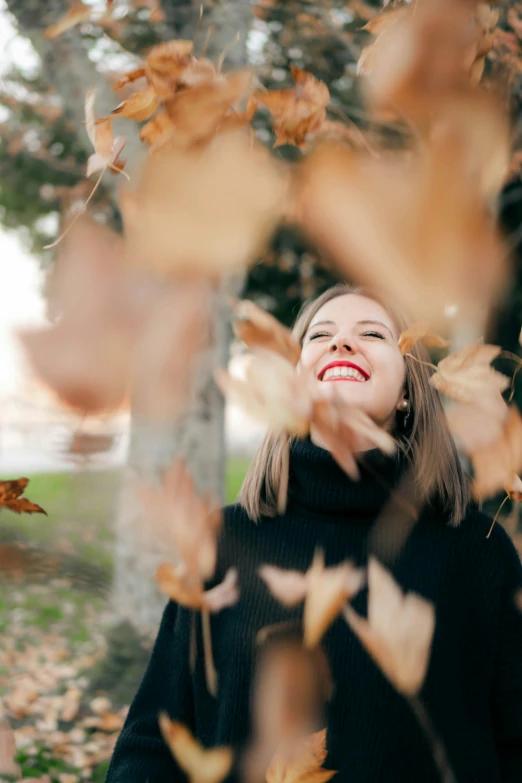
[301,762]
[299,111]
[8,765]
[420,331]
[270,390]
[204,211]
[258,329]
[10,492]
[201,765]
[467,375]
[398,632]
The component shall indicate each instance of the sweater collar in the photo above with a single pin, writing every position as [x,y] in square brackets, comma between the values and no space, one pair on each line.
[316,481]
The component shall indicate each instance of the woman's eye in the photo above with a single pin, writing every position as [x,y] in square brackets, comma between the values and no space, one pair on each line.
[318,334]
[374,334]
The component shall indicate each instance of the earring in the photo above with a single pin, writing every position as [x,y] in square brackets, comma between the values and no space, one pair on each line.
[405,405]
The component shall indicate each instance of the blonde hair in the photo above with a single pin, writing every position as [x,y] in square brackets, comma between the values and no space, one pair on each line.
[426,441]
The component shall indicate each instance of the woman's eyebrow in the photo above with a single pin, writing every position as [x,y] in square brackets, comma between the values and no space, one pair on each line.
[380,323]
[320,323]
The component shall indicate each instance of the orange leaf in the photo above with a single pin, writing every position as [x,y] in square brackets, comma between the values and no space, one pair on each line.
[496,463]
[420,331]
[165,65]
[107,149]
[258,329]
[140,106]
[398,632]
[479,424]
[201,766]
[271,391]
[328,591]
[10,492]
[205,210]
[301,762]
[467,376]
[158,130]
[299,111]
[76,15]
[8,765]
[130,77]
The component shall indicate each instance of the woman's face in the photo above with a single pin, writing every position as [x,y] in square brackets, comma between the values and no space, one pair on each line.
[350,349]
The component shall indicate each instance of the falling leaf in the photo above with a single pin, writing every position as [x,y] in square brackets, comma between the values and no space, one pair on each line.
[107,149]
[478,425]
[10,497]
[204,211]
[8,765]
[76,15]
[165,65]
[514,488]
[271,391]
[140,106]
[258,329]
[415,228]
[328,590]
[288,587]
[186,590]
[344,428]
[324,590]
[86,444]
[496,463]
[420,331]
[201,765]
[301,762]
[299,111]
[129,78]
[185,523]
[467,375]
[158,130]
[398,632]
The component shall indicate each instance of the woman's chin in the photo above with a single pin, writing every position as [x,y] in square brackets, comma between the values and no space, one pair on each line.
[345,391]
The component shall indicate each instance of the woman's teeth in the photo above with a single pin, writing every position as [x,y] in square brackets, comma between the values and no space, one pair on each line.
[343,372]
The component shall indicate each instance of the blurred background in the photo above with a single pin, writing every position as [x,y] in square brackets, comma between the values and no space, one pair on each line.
[77,600]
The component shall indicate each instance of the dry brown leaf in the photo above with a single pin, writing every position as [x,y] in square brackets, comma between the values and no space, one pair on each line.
[204,211]
[258,329]
[78,14]
[10,497]
[8,765]
[414,228]
[201,766]
[467,375]
[186,524]
[346,430]
[496,463]
[301,762]
[107,149]
[271,391]
[200,111]
[476,426]
[398,632]
[86,444]
[186,590]
[129,78]
[71,704]
[158,130]
[299,111]
[324,590]
[140,106]
[165,64]
[513,488]
[420,331]
[288,587]
[328,590]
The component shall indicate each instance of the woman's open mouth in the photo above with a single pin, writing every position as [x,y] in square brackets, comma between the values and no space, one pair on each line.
[343,371]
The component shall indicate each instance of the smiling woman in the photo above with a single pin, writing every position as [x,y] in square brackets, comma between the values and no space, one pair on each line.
[444,662]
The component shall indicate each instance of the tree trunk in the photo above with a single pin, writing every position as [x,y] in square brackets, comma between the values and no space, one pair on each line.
[199,435]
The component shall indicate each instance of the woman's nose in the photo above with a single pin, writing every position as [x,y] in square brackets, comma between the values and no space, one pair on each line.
[340,344]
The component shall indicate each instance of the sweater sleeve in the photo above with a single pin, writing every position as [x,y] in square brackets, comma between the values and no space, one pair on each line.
[141,755]
[506,699]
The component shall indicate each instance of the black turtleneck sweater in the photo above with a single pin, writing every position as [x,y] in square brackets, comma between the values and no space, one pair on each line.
[473,687]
